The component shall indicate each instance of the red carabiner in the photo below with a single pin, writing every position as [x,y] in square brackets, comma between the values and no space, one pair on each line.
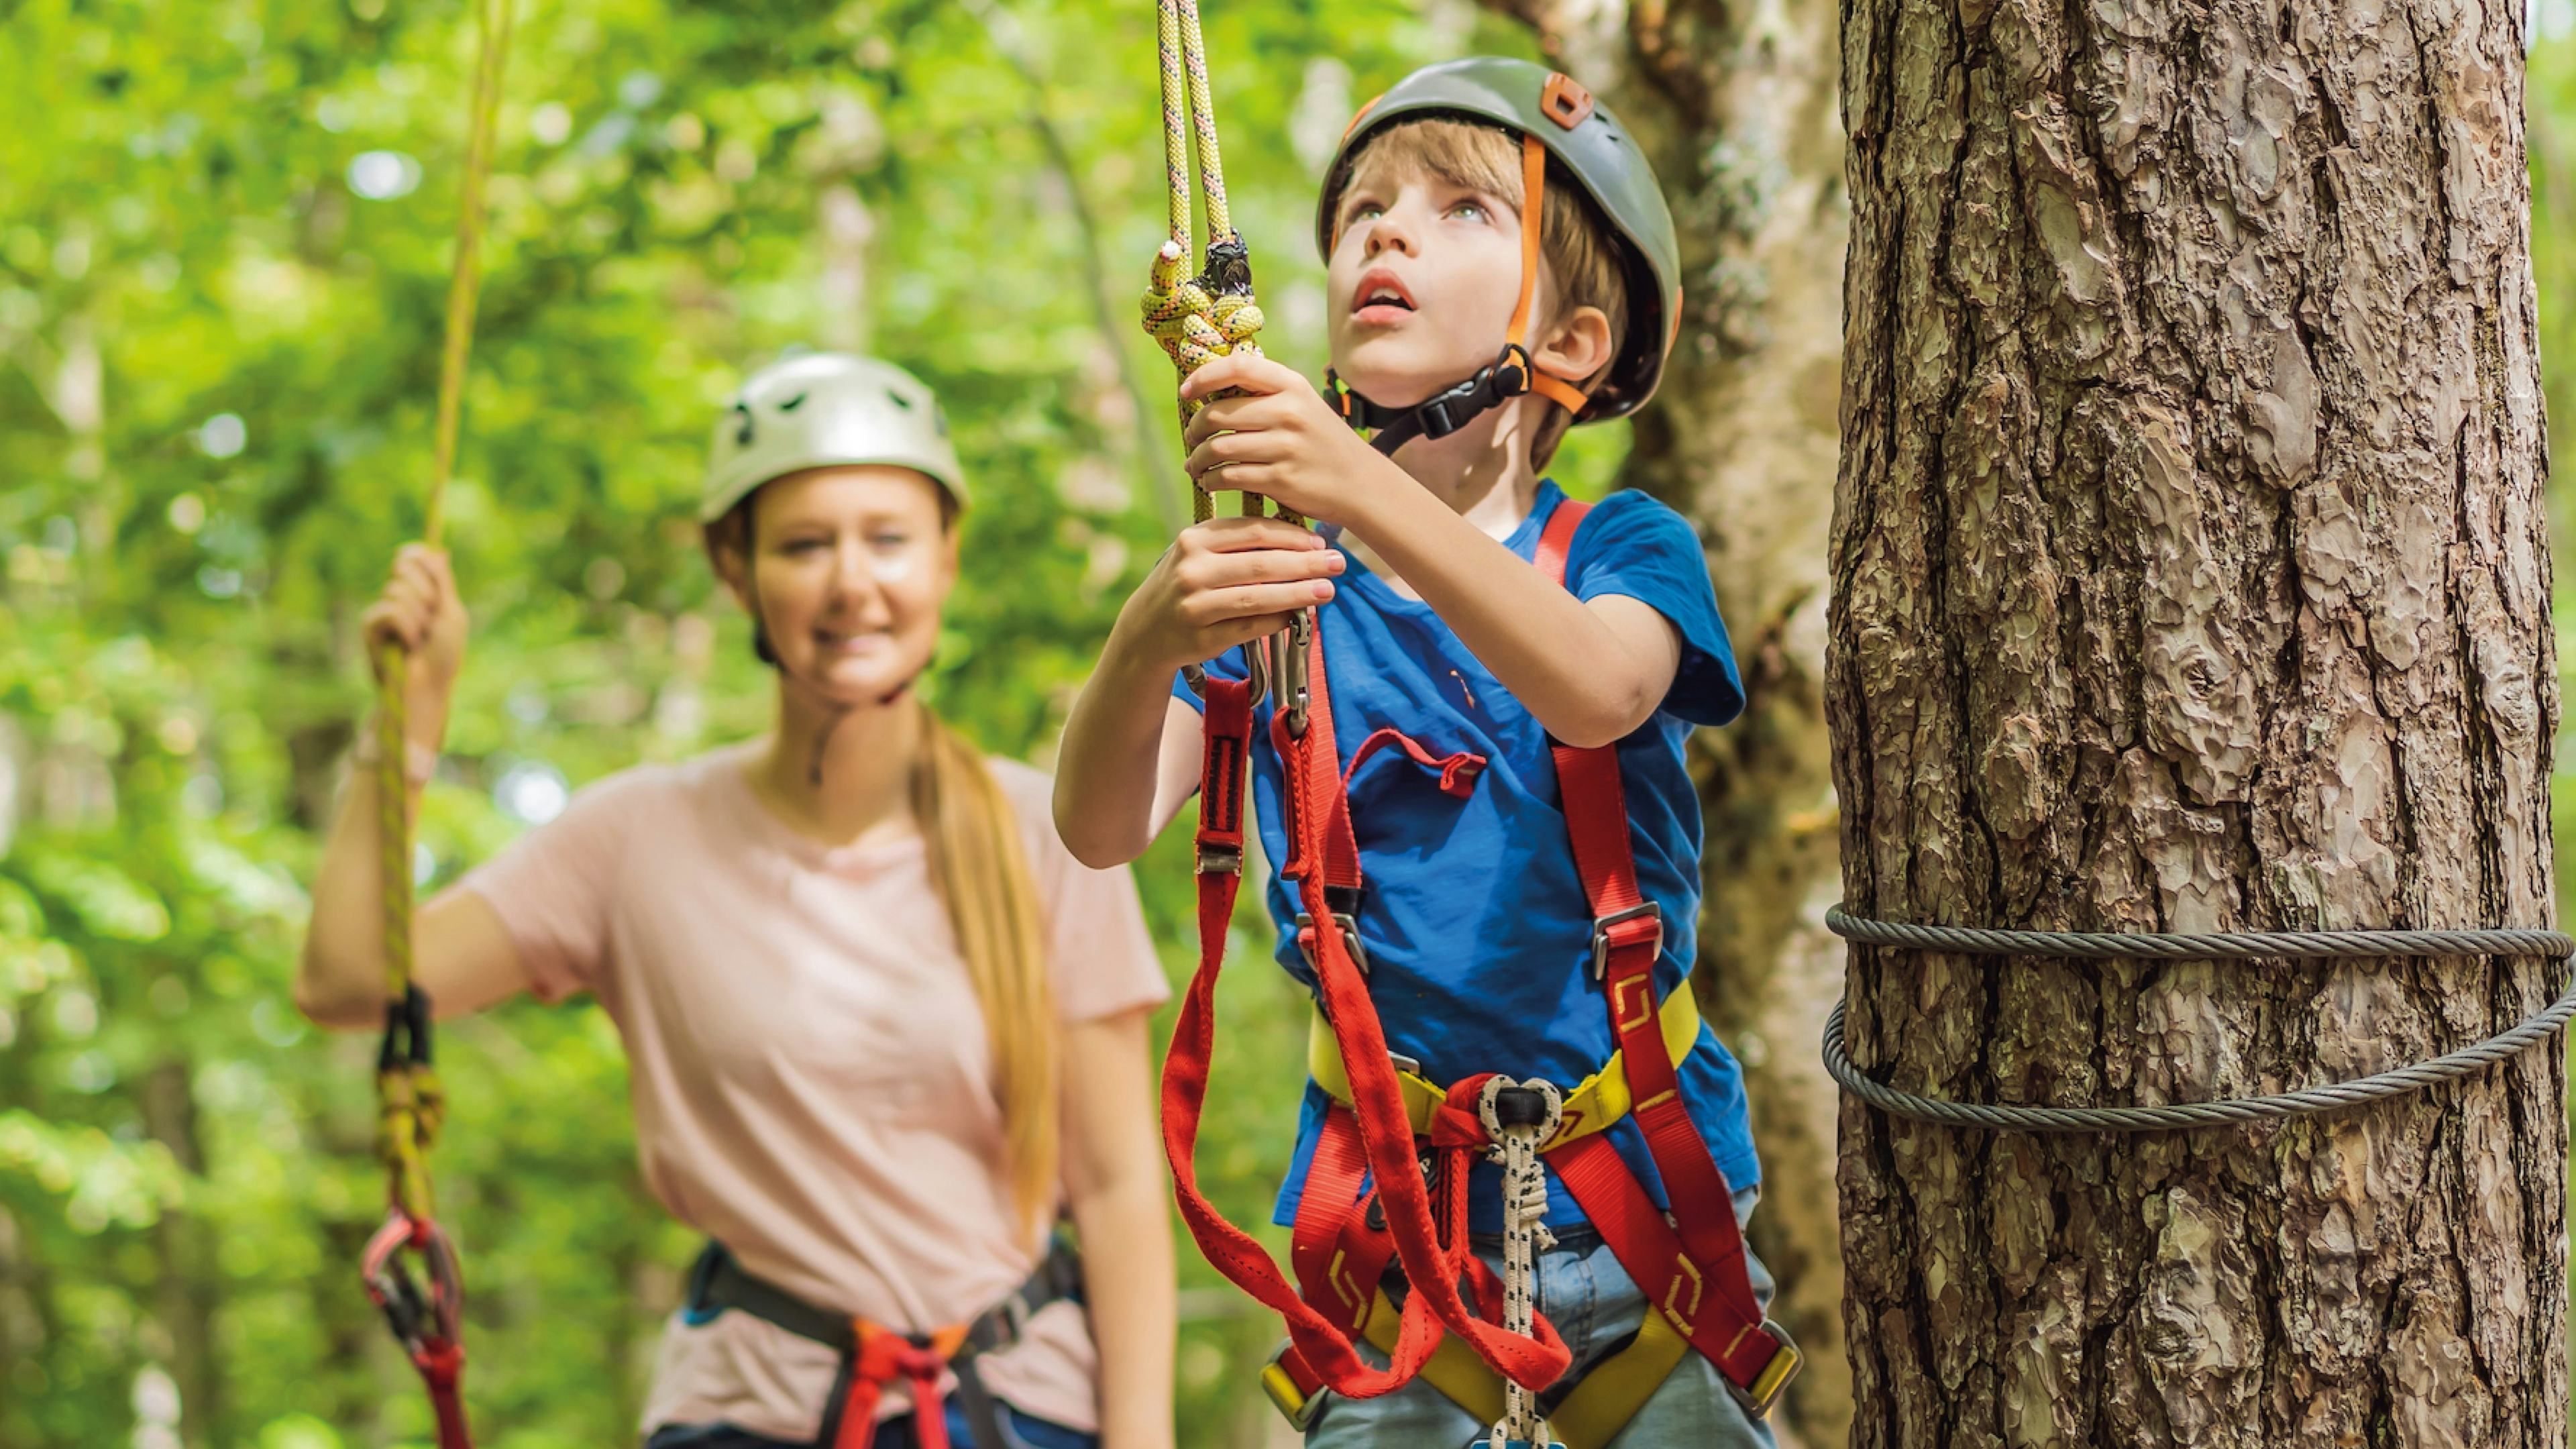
[427,1326]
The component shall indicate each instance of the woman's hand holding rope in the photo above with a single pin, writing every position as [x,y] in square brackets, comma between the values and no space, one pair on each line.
[421,613]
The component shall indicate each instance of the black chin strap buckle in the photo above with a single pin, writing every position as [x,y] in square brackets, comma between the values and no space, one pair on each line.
[1442,413]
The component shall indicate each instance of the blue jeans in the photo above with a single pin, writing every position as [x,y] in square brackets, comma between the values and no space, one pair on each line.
[1595,1305]
[1031,1433]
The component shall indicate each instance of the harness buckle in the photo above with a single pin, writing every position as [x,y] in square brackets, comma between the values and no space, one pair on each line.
[1602,926]
[1299,1406]
[1775,1376]
[1350,929]
[1220,859]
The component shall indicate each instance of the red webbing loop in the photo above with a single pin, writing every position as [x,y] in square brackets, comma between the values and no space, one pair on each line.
[878,1358]
[1337,1258]
[1458,772]
[1221,773]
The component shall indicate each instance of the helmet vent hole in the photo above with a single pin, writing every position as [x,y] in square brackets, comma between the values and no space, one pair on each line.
[899,400]
[793,403]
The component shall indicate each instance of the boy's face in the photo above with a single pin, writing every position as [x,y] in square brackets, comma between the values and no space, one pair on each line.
[1422,280]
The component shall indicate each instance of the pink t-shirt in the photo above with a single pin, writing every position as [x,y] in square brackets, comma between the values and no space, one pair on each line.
[811,1076]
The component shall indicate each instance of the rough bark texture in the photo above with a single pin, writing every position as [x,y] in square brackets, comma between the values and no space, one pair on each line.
[2190,573]
[1736,105]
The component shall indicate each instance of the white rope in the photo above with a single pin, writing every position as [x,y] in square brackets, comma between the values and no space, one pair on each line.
[1525,1236]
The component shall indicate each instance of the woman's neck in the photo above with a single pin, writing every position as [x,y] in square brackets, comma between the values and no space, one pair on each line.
[840,775]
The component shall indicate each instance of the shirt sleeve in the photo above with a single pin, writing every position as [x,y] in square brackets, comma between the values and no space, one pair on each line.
[1635,546]
[1100,957]
[552,887]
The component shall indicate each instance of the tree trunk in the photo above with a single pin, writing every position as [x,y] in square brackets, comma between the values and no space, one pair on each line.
[2191,574]
[1735,105]
[189,1291]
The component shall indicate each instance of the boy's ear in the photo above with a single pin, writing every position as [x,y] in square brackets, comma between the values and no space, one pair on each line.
[1576,346]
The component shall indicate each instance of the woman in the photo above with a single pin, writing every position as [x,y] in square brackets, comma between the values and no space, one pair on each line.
[880,1024]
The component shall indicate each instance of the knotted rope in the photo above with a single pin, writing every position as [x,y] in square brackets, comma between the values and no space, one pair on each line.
[1525,1235]
[410,1103]
[1201,318]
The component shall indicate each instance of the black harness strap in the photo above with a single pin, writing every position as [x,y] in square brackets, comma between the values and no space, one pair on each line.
[1442,413]
[718,1284]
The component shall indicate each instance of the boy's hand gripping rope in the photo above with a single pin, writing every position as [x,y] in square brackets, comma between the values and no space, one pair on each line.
[1202,318]
[410,1102]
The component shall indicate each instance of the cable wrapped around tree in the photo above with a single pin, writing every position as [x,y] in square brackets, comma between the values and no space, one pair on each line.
[2218,946]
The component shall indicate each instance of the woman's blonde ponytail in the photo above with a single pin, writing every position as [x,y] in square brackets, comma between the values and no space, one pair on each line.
[982,871]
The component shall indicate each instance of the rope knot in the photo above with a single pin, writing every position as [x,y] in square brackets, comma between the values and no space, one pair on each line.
[1194,324]
[1457,1122]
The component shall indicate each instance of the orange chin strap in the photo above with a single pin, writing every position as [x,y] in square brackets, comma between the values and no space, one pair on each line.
[1533,197]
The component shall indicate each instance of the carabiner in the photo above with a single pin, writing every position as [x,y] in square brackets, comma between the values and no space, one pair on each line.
[1292,647]
[1256,672]
[422,1324]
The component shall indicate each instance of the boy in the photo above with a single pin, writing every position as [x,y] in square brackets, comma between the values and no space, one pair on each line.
[1469,347]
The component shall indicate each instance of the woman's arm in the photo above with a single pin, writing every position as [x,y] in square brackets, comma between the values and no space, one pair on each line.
[1114,1177]
[461,955]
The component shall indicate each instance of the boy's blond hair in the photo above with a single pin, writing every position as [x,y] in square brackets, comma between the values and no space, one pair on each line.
[1576,244]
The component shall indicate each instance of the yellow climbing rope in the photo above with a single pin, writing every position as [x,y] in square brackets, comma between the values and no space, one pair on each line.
[1202,318]
[1199,319]
[409,1101]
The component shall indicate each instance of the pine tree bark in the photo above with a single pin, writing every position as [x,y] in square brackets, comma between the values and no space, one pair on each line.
[2191,573]
[1735,105]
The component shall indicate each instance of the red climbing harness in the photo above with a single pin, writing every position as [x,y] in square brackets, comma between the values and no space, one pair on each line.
[1387,1185]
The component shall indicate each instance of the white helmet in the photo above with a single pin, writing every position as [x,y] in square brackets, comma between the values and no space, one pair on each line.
[821,409]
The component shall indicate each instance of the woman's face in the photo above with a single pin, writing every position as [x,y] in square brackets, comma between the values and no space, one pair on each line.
[848,570]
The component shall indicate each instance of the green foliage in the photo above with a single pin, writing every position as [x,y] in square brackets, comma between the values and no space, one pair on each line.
[223,263]
[224,233]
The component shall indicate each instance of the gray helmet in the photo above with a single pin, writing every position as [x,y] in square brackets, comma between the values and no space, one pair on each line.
[1581,135]
[821,409]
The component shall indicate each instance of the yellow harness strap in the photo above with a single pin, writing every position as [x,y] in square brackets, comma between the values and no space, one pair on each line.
[1601,1405]
[1612,1391]
[1595,1103]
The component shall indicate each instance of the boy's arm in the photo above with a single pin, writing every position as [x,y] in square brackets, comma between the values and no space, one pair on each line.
[1130,756]
[1589,671]
[1129,762]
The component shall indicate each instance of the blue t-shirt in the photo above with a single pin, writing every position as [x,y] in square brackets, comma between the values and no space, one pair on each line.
[1474,919]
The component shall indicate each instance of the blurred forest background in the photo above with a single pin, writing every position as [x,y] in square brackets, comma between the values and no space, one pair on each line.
[224,234]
